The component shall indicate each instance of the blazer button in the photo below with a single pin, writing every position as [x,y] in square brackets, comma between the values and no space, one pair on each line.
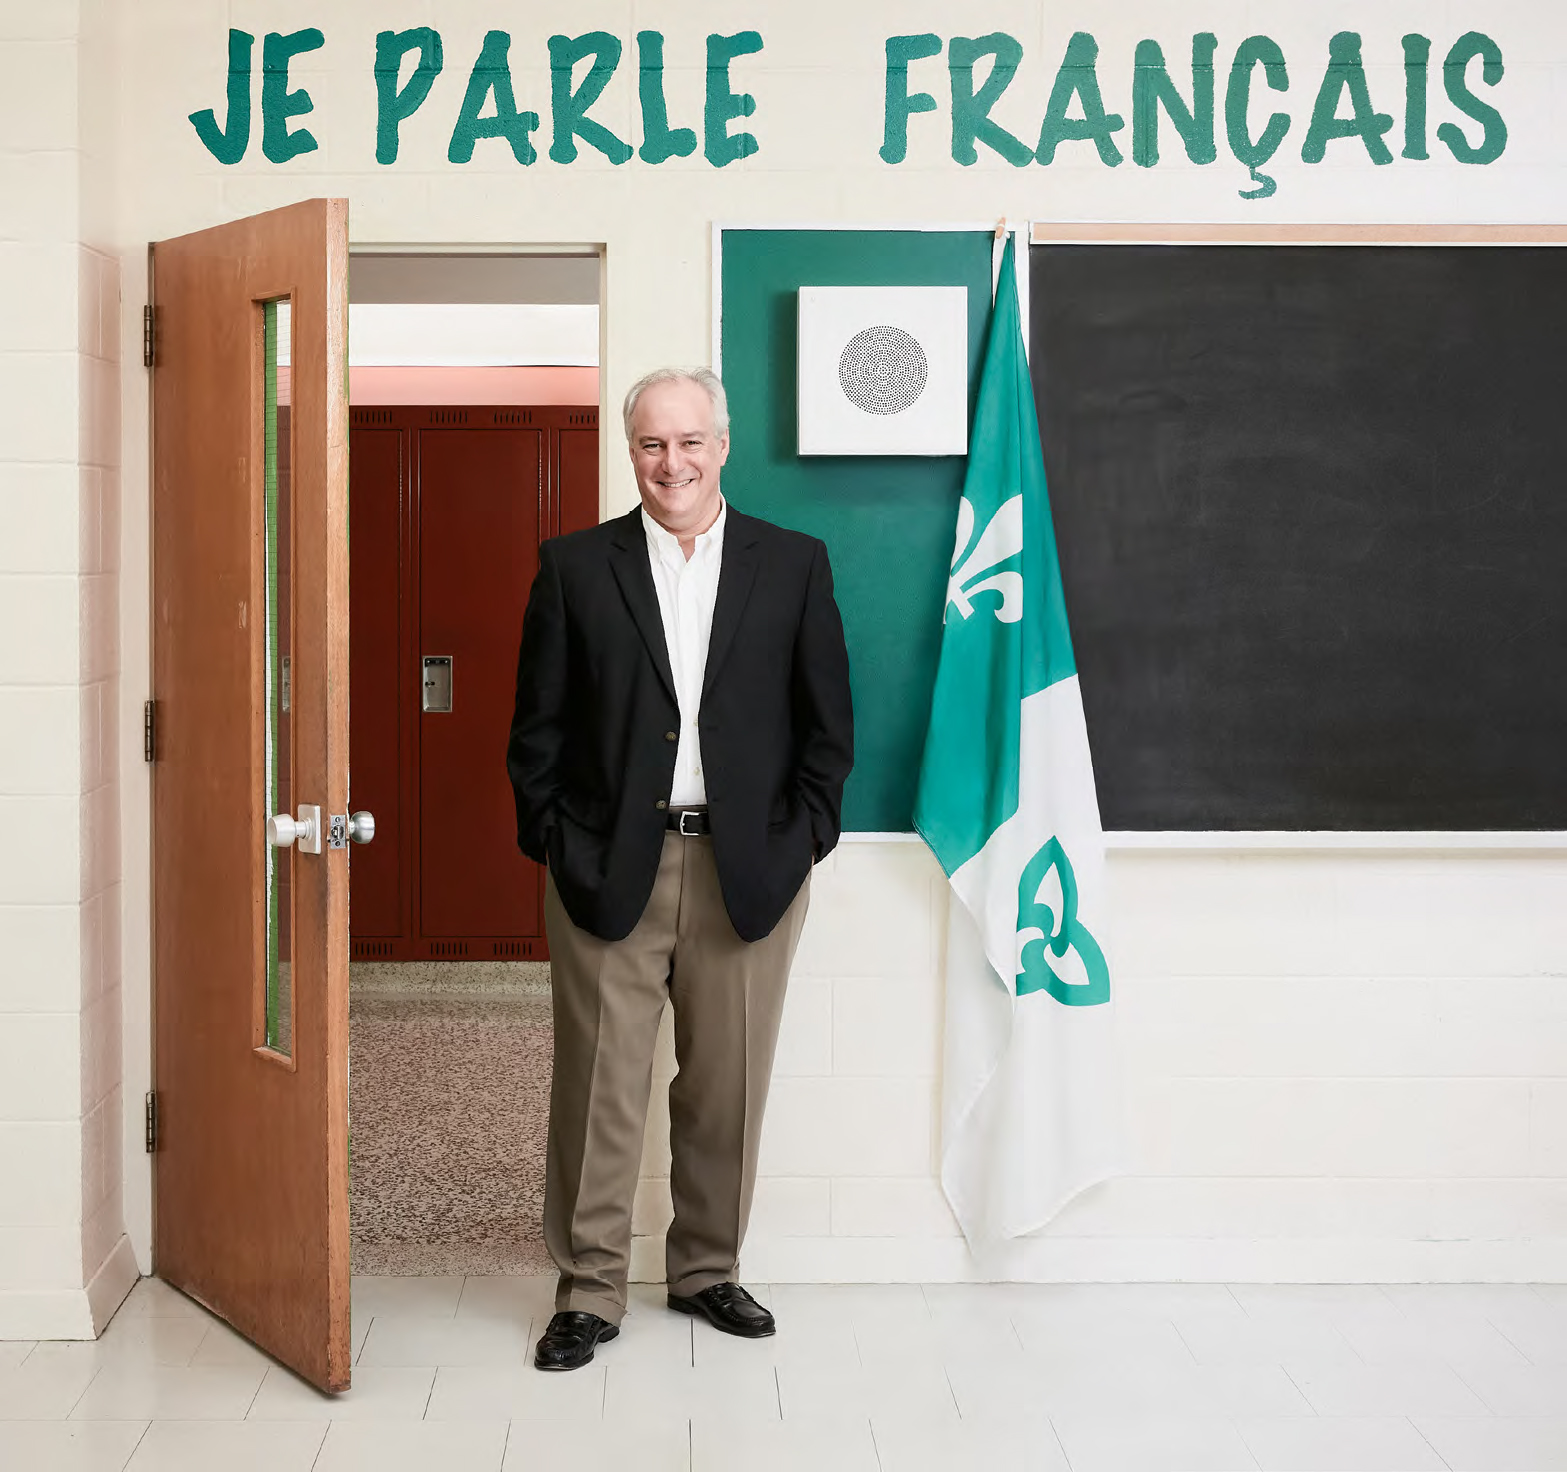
[661,804]
[670,736]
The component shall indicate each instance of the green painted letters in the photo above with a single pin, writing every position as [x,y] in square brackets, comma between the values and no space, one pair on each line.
[1152,88]
[971,122]
[392,106]
[901,50]
[228,145]
[1417,52]
[1078,77]
[1254,152]
[492,74]
[1346,73]
[569,108]
[659,140]
[1454,76]
[723,103]
[278,142]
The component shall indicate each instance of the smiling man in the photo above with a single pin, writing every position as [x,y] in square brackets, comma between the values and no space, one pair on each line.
[678,751]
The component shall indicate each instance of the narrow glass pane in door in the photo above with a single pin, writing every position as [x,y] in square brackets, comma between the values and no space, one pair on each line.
[277,766]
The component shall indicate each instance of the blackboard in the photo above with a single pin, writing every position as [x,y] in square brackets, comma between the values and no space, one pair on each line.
[1311,504]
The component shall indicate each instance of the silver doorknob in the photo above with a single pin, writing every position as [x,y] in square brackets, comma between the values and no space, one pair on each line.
[283,831]
[304,830]
[361,827]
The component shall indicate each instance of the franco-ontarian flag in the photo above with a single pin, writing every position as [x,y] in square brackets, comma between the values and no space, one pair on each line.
[1030,1099]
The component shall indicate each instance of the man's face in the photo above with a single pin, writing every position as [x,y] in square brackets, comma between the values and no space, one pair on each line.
[677,456]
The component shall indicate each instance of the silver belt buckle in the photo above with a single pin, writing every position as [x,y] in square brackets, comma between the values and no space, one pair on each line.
[681,828]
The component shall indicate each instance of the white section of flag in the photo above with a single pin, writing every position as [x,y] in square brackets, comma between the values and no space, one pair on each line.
[1031,1109]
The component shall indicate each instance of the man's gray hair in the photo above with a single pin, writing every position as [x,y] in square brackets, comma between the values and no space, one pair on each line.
[705,377]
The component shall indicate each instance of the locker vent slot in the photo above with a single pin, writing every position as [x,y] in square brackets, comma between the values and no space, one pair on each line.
[448,416]
[515,949]
[361,418]
[369,950]
[512,416]
[448,948]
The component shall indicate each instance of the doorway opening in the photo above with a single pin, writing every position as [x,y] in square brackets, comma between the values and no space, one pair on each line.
[474,423]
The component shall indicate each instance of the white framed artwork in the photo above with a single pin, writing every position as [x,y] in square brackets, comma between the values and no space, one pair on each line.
[883,370]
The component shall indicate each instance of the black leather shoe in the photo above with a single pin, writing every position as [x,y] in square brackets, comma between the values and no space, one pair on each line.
[569,1341]
[729,1307]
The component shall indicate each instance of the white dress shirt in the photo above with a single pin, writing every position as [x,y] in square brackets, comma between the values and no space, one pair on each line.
[687,588]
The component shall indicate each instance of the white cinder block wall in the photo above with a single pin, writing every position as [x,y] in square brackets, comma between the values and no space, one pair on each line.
[65,1261]
[1339,1064]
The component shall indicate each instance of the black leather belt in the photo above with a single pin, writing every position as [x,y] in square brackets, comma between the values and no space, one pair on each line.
[689,822]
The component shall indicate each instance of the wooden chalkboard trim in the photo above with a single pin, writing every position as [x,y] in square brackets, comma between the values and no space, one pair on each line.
[1364,841]
[1524,842]
[1301,234]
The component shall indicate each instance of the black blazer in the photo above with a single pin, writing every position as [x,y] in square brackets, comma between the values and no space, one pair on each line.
[593,735]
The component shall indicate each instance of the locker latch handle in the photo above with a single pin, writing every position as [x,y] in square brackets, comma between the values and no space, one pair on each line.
[436,693]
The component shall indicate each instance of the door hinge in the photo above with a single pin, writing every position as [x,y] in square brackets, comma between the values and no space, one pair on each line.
[149,335]
[149,730]
[152,1122]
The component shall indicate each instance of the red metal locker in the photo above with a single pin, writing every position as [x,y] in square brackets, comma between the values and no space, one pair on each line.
[380,898]
[449,508]
[480,495]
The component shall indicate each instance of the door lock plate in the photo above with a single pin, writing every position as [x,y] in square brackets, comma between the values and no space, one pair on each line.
[309,840]
[337,831]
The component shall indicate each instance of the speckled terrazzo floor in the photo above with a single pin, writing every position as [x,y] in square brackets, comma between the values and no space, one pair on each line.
[449,1097]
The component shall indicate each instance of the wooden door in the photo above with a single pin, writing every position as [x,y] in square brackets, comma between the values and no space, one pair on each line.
[250,679]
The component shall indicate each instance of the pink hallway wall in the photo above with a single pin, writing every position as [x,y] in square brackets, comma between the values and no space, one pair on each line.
[473,386]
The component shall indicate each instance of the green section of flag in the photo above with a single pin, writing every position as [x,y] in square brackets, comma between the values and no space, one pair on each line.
[1005,635]
[1046,935]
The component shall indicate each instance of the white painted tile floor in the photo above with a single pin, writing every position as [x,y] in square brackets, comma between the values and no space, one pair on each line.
[901,1378]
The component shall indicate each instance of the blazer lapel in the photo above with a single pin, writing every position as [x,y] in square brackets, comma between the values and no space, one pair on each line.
[629,562]
[736,573]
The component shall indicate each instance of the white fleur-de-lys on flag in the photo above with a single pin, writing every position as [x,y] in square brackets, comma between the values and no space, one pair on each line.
[1031,1111]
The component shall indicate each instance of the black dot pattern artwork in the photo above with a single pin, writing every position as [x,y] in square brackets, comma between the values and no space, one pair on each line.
[883,370]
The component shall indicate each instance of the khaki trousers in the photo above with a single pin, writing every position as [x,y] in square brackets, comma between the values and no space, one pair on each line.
[608,999]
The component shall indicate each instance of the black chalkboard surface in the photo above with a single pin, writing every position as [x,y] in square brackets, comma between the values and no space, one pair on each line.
[1311,505]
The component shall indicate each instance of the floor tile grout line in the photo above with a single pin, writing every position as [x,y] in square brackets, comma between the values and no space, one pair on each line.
[315,1461]
[1510,1341]
[1434,1452]
[505,1444]
[1473,1389]
[132,1456]
[1055,1431]
[1299,1390]
[946,1374]
[256,1395]
[91,1381]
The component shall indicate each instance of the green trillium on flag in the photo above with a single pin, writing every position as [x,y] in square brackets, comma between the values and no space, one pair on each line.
[1006,801]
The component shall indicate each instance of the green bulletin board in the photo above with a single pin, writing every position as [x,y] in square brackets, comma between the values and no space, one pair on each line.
[888,521]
